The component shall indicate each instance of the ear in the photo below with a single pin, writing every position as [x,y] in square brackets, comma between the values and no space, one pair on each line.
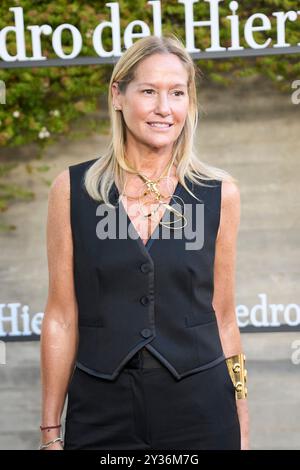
[116,96]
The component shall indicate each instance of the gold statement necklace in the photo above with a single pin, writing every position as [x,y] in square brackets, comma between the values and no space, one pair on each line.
[152,189]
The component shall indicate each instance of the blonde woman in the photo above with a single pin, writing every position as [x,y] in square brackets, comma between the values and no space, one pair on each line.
[140,329]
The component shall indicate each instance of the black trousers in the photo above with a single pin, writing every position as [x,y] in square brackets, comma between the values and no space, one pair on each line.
[146,408]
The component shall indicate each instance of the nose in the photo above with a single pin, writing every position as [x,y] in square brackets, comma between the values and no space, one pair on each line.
[162,104]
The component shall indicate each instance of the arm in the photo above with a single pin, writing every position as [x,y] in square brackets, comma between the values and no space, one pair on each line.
[59,327]
[224,292]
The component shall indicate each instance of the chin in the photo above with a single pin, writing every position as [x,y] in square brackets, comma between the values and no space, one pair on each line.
[159,145]
[159,142]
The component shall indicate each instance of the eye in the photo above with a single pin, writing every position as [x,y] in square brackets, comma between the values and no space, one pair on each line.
[181,93]
[149,89]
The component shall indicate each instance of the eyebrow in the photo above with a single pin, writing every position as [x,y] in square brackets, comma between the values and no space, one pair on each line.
[153,84]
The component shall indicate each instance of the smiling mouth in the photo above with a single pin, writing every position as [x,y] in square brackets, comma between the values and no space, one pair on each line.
[160,125]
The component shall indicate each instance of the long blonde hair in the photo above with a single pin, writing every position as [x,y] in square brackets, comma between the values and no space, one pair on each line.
[101,175]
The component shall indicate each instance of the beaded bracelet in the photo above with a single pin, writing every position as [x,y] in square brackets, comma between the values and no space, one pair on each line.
[42,428]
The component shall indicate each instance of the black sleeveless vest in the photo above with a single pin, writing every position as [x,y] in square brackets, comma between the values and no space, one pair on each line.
[157,296]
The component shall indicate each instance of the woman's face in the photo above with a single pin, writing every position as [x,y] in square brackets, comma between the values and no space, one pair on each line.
[155,104]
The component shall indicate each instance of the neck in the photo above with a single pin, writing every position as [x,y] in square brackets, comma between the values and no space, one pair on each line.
[149,163]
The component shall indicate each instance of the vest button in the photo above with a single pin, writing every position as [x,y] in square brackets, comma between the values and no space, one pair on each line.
[145,268]
[144,300]
[146,333]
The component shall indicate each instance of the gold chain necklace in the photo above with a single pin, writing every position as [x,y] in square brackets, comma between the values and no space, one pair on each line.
[150,183]
[152,189]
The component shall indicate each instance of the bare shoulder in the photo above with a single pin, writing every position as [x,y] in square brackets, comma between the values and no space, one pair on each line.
[230,193]
[230,206]
[61,184]
[59,207]
[59,194]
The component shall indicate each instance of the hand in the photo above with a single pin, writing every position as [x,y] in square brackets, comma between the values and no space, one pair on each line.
[245,441]
[243,413]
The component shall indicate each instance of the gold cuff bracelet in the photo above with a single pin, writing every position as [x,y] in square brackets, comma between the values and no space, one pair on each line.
[238,374]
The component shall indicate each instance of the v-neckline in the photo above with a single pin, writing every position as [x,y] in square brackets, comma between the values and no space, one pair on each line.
[152,237]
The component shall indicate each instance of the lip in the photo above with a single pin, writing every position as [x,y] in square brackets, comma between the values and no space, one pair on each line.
[162,129]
